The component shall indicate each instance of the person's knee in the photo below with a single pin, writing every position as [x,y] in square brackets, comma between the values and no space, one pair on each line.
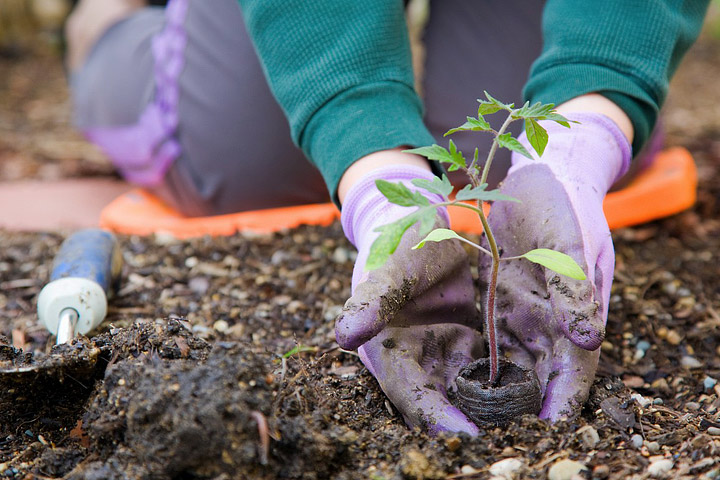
[88,21]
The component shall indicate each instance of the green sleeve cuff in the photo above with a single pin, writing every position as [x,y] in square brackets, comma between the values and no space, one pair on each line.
[360,121]
[561,83]
[625,50]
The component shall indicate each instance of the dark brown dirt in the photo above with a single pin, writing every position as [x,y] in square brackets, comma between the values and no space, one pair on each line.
[218,360]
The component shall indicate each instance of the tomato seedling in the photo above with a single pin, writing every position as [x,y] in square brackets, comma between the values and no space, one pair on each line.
[476,191]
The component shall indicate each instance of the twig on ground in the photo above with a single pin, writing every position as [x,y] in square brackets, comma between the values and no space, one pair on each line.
[263,431]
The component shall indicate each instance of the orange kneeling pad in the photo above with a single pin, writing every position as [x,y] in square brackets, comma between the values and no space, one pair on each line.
[667,187]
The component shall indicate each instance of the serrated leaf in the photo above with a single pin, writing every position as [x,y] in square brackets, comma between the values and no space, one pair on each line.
[539,111]
[472,125]
[557,118]
[495,101]
[457,160]
[388,240]
[391,234]
[506,140]
[427,220]
[557,262]
[479,193]
[399,194]
[441,186]
[534,111]
[536,135]
[475,160]
[487,108]
[437,235]
[435,152]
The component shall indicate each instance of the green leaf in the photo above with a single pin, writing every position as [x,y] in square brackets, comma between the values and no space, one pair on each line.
[390,236]
[506,140]
[557,262]
[475,160]
[472,124]
[438,235]
[495,102]
[427,221]
[457,160]
[392,233]
[440,154]
[540,111]
[536,135]
[557,118]
[299,349]
[399,194]
[440,186]
[487,108]
[533,111]
[479,193]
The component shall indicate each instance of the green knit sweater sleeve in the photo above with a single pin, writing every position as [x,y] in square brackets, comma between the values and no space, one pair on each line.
[342,72]
[626,50]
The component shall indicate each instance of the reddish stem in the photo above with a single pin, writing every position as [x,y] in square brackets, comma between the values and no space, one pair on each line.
[490,306]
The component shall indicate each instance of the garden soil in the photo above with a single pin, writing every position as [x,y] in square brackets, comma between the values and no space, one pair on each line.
[218,359]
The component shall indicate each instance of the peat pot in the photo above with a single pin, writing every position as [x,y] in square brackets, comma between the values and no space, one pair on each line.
[516,393]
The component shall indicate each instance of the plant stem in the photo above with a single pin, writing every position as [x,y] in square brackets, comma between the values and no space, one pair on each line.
[492,284]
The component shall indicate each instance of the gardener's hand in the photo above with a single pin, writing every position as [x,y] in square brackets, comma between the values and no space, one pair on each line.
[417,366]
[414,361]
[550,322]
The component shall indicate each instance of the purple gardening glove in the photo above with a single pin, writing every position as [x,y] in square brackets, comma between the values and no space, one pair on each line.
[550,322]
[404,316]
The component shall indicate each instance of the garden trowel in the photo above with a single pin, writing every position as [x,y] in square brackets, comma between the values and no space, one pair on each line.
[85,269]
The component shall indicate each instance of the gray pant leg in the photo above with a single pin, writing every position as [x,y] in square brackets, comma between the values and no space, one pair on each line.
[473,46]
[115,83]
[236,151]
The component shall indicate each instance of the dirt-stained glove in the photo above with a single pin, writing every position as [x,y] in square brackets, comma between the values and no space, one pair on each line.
[546,321]
[393,313]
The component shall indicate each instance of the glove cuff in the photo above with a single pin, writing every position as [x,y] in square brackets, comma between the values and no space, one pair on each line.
[366,208]
[595,146]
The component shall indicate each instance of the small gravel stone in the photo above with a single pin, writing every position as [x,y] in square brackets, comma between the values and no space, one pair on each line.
[660,468]
[453,443]
[673,337]
[714,431]
[589,436]
[692,406]
[643,345]
[221,326]
[636,440]
[690,362]
[653,447]
[565,469]
[468,470]
[658,401]
[601,471]
[341,255]
[332,312]
[709,382]
[506,468]
[660,384]
[644,402]
[199,285]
